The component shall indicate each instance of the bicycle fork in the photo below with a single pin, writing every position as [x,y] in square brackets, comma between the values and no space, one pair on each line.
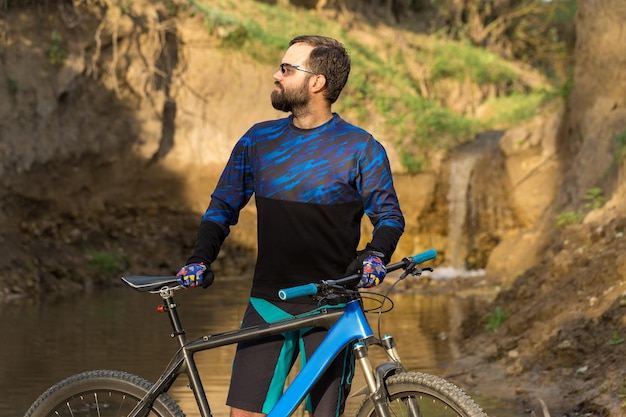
[375,379]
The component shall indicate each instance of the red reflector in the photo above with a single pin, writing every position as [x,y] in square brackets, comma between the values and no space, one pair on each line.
[160,309]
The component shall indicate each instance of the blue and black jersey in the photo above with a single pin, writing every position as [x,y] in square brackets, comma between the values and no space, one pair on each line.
[311,187]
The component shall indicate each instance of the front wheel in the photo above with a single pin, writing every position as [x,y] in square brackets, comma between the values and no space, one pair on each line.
[100,393]
[414,394]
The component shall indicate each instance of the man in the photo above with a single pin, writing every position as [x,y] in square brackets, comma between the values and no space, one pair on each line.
[313,176]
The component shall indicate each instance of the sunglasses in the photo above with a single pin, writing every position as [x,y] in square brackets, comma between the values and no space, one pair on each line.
[283,68]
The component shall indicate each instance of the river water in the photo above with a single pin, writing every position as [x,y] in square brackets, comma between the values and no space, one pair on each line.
[46,340]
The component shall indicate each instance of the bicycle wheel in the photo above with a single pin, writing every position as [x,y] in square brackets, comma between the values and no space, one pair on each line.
[99,393]
[415,394]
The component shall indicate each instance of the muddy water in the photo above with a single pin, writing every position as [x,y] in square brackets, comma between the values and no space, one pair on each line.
[44,341]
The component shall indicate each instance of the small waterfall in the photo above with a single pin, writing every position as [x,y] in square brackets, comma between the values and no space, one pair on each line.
[461,167]
[464,165]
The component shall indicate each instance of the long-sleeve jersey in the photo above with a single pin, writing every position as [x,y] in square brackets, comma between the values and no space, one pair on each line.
[311,187]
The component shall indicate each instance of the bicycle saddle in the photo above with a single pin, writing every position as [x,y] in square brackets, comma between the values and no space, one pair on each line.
[150,283]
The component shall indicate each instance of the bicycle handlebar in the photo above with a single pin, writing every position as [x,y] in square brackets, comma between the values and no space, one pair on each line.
[422,257]
[155,283]
[312,289]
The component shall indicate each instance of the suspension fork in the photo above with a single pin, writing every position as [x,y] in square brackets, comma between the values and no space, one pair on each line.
[376,379]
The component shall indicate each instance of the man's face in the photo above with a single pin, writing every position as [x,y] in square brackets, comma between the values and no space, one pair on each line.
[292,85]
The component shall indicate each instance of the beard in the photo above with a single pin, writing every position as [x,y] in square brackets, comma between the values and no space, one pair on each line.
[288,100]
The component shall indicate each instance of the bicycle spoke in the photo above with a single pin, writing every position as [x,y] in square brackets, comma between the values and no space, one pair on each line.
[416,394]
[96,404]
[415,406]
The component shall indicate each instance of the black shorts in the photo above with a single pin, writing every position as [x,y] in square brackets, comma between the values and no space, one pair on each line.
[261,367]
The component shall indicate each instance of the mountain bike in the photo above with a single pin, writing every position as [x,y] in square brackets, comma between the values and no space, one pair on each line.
[390,389]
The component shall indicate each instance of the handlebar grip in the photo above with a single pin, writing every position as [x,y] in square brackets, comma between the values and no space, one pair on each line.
[424,256]
[299,291]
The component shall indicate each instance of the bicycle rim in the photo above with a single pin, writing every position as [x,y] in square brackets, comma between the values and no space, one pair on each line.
[421,395]
[99,394]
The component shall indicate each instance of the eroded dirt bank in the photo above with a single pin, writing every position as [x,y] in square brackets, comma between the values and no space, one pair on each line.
[105,203]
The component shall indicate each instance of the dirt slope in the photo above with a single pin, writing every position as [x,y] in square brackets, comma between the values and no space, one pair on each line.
[79,214]
[564,339]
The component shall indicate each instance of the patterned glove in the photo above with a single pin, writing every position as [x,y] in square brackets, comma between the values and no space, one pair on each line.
[192,275]
[373,272]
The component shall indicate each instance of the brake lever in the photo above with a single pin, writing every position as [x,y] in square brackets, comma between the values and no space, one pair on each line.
[334,294]
[413,270]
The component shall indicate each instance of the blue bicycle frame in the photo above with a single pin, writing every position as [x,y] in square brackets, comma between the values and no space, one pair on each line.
[345,326]
[350,327]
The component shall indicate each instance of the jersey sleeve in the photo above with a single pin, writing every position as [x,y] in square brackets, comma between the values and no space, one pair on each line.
[233,191]
[380,202]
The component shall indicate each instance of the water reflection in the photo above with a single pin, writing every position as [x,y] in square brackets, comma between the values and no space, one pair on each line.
[48,340]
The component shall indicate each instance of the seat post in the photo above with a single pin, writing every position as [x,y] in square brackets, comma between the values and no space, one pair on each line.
[170,307]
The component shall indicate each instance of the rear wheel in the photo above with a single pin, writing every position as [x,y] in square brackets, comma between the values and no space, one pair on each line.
[100,393]
[414,394]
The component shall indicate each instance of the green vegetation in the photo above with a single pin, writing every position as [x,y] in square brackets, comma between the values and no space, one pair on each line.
[406,84]
[56,53]
[569,217]
[12,86]
[124,5]
[411,162]
[593,199]
[13,89]
[107,263]
[496,319]
[620,146]
[615,339]
[537,32]
[515,108]
[622,394]
[461,61]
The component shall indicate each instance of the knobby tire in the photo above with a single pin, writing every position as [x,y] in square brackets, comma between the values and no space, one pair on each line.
[100,393]
[434,397]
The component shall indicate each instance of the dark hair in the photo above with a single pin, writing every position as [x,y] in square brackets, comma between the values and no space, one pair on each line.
[330,58]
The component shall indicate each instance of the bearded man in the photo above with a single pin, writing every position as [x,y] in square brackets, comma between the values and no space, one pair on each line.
[313,176]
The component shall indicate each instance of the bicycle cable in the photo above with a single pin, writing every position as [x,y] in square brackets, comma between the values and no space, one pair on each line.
[410,270]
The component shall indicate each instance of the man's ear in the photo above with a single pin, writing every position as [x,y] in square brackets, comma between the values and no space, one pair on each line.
[319,82]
